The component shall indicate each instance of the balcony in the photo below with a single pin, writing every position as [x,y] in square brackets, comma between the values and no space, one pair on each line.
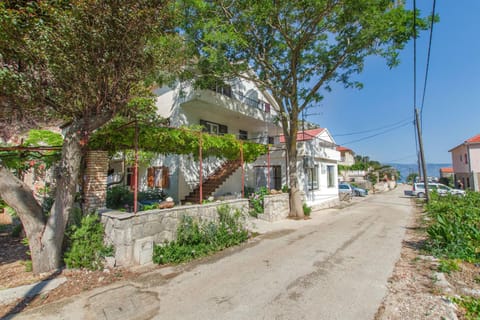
[227,102]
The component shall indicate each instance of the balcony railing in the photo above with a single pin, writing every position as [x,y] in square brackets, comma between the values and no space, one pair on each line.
[251,102]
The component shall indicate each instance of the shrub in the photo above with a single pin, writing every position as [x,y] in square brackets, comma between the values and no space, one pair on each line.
[453,231]
[471,306]
[196,239]
[307,210]
[118,197]
[86,248]
[256,200]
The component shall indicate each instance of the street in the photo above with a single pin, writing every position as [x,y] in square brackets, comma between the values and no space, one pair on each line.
[334,267]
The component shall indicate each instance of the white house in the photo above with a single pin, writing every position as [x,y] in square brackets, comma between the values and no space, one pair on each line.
[238,108]
[316,166]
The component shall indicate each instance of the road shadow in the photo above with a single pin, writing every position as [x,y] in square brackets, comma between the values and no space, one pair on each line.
[29,296]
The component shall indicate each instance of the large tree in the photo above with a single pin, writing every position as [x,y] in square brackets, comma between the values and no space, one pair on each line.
[79,62]
[296,49]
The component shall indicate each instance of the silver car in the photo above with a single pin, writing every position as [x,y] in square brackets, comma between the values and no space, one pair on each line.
[419,189]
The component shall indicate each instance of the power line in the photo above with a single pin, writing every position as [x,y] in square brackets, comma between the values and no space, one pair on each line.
[409,119]
[377,134]
[428,57]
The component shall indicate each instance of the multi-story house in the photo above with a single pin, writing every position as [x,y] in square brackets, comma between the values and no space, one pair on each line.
[238,108]
[466,163]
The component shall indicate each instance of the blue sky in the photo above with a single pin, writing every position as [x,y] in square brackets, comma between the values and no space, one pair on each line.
[451,112]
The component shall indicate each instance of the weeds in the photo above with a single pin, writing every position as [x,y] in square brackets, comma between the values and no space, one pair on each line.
[195,239]
[453,230]
[471,306]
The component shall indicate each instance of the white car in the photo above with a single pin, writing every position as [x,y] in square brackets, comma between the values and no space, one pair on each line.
[441,189]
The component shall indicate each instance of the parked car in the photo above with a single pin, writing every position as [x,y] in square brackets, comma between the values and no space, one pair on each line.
[359,192]
[345,188]
[419,189]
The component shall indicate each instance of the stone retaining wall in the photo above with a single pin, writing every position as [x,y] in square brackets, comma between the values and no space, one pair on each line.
[275,207]
[133,235]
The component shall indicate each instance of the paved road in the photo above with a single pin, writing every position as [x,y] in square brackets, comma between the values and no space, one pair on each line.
[335,266]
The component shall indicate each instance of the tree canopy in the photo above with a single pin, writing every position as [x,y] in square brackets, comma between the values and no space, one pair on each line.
[296,49]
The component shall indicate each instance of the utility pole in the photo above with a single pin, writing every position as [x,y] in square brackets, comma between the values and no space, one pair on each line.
[422,156]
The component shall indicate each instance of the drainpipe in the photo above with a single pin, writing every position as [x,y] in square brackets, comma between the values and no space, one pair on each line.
[243,170]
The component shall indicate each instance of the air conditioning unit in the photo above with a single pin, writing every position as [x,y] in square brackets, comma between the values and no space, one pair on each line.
[308,162]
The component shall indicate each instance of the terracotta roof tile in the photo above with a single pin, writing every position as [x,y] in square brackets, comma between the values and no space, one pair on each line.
[446,170]
[475,139]
[305,136]
[340,148]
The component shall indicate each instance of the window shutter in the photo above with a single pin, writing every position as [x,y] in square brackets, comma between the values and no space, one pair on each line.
[150,177]
[165,177]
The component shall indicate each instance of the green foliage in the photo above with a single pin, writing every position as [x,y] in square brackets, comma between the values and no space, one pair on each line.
[164,140]
[453,231]
[471,306]
[118,197]
[307,210]
[448,265]
[195,239]
[17,230]
[86,248]
[412,177]
[38,160]
[285,189]
[256,200]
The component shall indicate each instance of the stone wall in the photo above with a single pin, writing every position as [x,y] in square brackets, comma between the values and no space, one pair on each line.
[95,183]
[276,207]
[134,235]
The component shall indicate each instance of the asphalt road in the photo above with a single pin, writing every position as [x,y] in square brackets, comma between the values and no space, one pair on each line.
[337,269]
[335,266]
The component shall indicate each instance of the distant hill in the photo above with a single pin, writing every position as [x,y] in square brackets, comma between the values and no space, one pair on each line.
[433,169]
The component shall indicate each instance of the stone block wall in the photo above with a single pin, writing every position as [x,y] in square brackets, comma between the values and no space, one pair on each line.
[95,183]
[133,235]
[275,207]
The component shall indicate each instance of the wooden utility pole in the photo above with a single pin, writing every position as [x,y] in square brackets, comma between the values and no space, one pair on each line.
[422,156]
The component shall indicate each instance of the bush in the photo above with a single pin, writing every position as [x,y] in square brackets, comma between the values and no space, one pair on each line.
[196,239]
[256,201]
[453,231]
[307,210]
[86,248]
[118,197]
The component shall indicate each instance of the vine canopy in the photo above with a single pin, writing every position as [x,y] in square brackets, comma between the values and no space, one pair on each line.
[119,135]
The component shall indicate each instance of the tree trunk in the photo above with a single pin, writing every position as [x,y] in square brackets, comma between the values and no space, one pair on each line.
[66,176]
[45,235]
[296,205]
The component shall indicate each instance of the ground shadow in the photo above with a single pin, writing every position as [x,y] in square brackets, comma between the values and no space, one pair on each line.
[30,295]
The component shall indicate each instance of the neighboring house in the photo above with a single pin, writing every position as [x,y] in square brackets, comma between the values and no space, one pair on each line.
[466,163]
[347,156]
[238,108]
[316,166]
[446,172]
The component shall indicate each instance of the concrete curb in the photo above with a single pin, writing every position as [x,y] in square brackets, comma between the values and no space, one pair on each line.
[30,290]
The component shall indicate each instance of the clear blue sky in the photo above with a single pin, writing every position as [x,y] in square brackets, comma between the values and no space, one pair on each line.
[451,112]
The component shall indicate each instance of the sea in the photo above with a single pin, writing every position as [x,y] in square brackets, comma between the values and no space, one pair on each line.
[433,169]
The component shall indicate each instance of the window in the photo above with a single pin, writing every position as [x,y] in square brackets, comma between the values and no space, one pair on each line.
[242,135]
[157,177]
[271,140]
[331,176]
[312,176]
[261,177]
[466,159]
[213,128]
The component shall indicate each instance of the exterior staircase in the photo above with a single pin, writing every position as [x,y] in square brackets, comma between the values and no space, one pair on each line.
[214,181]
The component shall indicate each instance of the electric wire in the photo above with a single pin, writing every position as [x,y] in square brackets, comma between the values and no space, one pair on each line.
[428,57]
[409,119]
[377,134]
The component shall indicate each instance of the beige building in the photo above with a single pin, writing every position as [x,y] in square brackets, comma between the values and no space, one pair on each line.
[466,163]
